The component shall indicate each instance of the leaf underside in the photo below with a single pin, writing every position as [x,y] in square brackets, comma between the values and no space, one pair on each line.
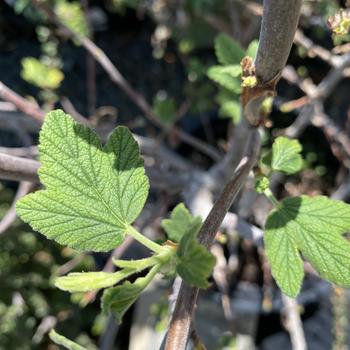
[286,155]
[313,226]
[92,192]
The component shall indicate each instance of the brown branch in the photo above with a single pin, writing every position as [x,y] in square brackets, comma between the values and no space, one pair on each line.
[279,23]
[181,321]
[18,169]
[23,188]
[21,103]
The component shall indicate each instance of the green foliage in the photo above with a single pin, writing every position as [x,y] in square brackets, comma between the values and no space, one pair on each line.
[92,192]
[66,343]
[339,23]
[41,75]
[313,226]
[226,77]
[87,281]
[228,51]
[92,195]
[119,299]
[195,263]
[232,110]
[165,108]
[180,219]
[252,49]
[72,15]
[261,184]
[285,156]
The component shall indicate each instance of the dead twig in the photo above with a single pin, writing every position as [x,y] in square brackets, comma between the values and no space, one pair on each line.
[23,188]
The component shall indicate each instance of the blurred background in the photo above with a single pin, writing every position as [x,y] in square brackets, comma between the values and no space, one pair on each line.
[168,85]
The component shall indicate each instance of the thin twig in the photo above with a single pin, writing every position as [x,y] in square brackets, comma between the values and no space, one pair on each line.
[23,188]
[15,168]
[21,103]
[293,323]
[181,321]
[279,23]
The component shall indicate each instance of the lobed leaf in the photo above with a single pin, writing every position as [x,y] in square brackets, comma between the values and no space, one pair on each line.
[313,226]
[180,220]
[93,192]
[195,263]
[227,50]
[225,78]
[285,155]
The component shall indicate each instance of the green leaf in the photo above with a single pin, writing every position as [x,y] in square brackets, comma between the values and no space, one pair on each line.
[165,109]
[180,220]
[37,73]
[225,76]
[195,263]
[87,281]
[252,49]
[61,340]
[286,156]
[227,50]
[93,192]
[72,15]
[314,227]
[231,109]
[119,299]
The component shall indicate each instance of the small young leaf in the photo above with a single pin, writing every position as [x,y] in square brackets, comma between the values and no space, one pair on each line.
[119,299]
[195,263]
[165,109]
[41,75]
[252,49]
[231,109]
[87,281]
[61,340]
[180,220]
[313,226]
[72,15]
[226,78]
[286,155]
[93,193]
[228,51]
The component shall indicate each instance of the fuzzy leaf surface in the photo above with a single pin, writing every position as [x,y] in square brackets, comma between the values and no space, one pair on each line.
[226,77]
[313,226]
[119,299]
[92,192]
[63,341]
[227,50]
[87,281]
[180,220]
[195,263]
[286,155]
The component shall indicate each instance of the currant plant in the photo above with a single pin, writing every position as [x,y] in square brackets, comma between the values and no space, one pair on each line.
[92,195]
[228,74]
[312,227]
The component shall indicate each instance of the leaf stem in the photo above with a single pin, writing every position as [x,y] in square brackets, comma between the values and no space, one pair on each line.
[157,248]
[272,198]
